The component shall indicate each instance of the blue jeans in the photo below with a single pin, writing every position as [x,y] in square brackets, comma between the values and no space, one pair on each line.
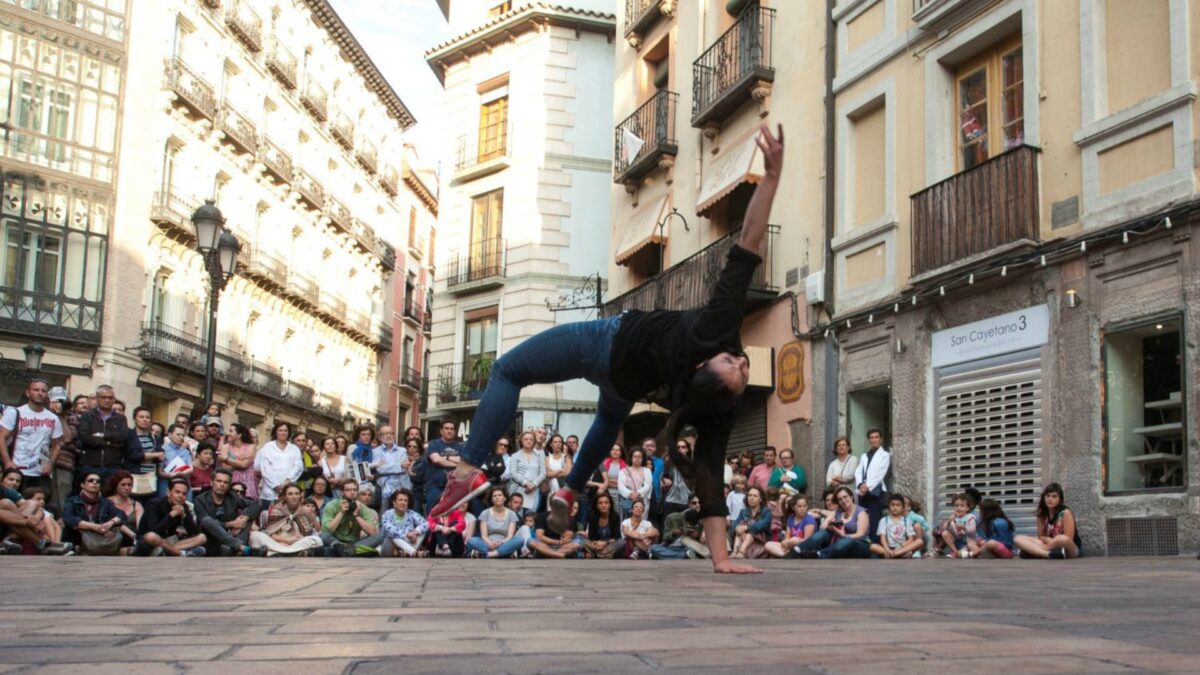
[566,352]
[844,547]
[506,549]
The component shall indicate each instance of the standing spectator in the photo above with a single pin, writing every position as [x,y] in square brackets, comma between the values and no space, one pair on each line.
[995,532]
[752,529]
[760,476]
[604,529]
[319,492]
[841,470]
[225,517]
[634,483]
[656,466]
[177,458]
[573,447]
[35,435]
[870,477]
[389,461]
[169,526]
[212,415]
[558,464]
[202,471]
[897,538]
[843,534]
[237,455]
[414,468]
[446,534]
[497,536]
[788,478]
[745,464]
[800,525]
[403,529]
[441,458]
[277,462]
[683,534]
[414,434]
[613,466]
[142,440]
[526,471]
[119,490]
[93,522]
[677,493]
[639,533]
[334,464]
[62,474]
[549,543]
[291,529]
[310,456]
[364,444]
[197,434]
[539,438]
[1058,536]
[350,523]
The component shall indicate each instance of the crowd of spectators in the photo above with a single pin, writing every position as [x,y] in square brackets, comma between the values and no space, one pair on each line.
[83,477]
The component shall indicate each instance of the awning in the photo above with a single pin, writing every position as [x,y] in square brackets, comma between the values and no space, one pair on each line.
[642,229]
[738,162]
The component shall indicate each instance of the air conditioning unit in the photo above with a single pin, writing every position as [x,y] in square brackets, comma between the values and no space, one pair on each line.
[814,288]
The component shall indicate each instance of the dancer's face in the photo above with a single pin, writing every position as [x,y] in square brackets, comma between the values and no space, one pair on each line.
[732,369]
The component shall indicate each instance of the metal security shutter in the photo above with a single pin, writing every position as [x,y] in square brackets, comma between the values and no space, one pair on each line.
[750,430]
[989,434]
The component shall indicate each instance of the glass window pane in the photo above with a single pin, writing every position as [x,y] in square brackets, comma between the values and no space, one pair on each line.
[74,274]
[93,288]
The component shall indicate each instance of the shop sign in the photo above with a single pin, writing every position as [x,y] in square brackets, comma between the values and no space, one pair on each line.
[790,365]
[1011,332]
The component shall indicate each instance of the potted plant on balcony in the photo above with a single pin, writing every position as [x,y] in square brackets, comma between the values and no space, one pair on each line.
[478,377]
[445,388]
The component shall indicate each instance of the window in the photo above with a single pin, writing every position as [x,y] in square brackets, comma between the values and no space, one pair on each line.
[219,185]
[486,251]
[990,94]
[868,409]
[493,129]
[412,227]
[1144,407]
[170,155]
[502,8]
[406,357]
[479,346]
[160,298]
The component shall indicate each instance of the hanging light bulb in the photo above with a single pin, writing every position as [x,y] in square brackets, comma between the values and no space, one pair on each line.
[1004,271]
[914,301]
[1167,222]
[1125,237]
[971,280]
[1043,261]
[942,291]
[870,318]
[1083,246]
[896,308]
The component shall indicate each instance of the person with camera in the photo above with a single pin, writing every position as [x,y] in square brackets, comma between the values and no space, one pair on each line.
[350,523]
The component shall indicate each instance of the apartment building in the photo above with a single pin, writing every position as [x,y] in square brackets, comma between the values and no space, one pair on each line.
[523,218]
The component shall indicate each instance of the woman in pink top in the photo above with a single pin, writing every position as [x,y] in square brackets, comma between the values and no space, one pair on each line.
[237,455]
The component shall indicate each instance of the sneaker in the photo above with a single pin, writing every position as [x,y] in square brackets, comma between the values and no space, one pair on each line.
[1058,554]
[10,547]
[691,555]
[964,553]
[197,552]
[459,491]
[560,510]
[347,550]
[63,548]
[809,555]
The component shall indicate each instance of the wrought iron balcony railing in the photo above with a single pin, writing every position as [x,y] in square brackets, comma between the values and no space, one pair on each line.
[640,16]
[461,382]
[979,210]
[299,394]
[382,334]
[358,322]
[332,304]
[387,255]
[172,212]
[310,191]
[390,180]
[245,25]
[265,266]
[364,236]
[412,309]
[342,129]
[481,265]
[478,157]
[315,100]
[726,73]
[338,214]
[282,64]
[301,288]
[654,125]
[51,315]
[193,91]
[368,156]
[410,377]
[170,346]
[277,162]
[689,284]
[237,128]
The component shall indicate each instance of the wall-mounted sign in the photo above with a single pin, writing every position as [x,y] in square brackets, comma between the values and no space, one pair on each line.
[790,365]
[1012,332]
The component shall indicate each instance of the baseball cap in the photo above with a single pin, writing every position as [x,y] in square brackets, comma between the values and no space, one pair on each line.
[58,394]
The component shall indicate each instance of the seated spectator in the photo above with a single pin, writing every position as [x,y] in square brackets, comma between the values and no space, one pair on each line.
[636,481]
[735,501]
[995,532]
[843,534]
[959,529]
[913,513]
[366,496]
[1057,537]
[547,543]
[446,533]
[799,526]
[638,532]
[12,479]
[353,526]
[497,536]
[403,528]
[788,477]
[752,529]
[683,534]
[49,527]
[291,529]
[119,491]
[604,529]
[897,538]
[226,518]
[202,471]
[92,522]
[25,525]
[169,526]
[319,492]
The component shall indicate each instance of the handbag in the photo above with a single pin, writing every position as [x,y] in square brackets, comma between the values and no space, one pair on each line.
[97,543]
[146,481]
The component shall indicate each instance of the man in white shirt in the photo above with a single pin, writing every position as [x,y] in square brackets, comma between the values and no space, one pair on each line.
[38,437]
[870,477]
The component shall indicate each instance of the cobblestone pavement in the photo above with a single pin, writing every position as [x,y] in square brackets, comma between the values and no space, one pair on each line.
[315,616]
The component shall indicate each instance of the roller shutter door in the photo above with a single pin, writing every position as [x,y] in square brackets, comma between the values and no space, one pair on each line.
[750,430]
[989,434]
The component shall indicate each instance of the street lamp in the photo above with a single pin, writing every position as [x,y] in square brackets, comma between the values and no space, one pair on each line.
[220,249]
[33,356]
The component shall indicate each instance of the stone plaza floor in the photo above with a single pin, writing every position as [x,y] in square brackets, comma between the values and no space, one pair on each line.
[316,616]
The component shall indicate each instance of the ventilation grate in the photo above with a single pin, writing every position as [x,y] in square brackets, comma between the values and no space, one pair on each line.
[1143,536]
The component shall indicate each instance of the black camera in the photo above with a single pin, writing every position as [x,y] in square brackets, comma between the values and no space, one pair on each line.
[353,508]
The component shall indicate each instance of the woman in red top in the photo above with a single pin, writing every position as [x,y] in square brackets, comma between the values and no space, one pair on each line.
[446,534]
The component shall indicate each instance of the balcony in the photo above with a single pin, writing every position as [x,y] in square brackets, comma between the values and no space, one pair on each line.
[478,267]
[282,64]
[342,129]
[930,14]
[237,129]
[264,379]
[654,124]
[172,347]
[481,157]
[310,191]
[390,180]
[368,157]
[191,89]
[416,246]
[52,315]
[332,305]
[328,405]
[244,24]
[641,15]
[211,4]
[387,256]
[277,162]
[358,322]
[172,212]
[728,73]
[986,209]
[364,236]
[412,310]
[410,378]
[382,334]
[456,383]
[688,284]
[301,288]
[338,214]
[427,321]
[315,100]
[265,266]
[300,395]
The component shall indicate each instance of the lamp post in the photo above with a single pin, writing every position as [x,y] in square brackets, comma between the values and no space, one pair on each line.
[220,249]
[33,362]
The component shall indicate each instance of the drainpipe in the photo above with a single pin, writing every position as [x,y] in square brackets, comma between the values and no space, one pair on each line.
[832,380]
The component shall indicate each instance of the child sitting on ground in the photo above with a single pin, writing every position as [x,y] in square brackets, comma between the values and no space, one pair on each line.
[960,529]
[897,539]
[995,532]
[913,513]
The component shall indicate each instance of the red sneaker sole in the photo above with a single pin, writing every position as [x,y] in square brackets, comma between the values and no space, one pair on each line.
[469,496]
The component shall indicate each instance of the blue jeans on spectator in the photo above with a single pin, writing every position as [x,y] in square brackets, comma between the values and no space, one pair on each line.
[844,547]
[506,549]
[567,352]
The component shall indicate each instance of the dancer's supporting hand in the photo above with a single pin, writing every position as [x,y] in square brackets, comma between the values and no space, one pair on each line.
[715,533]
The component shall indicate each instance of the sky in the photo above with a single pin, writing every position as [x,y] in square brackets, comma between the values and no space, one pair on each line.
[396,34]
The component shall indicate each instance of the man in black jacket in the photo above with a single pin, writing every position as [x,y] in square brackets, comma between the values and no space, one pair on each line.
[103,440]
[226,517]
[170,524]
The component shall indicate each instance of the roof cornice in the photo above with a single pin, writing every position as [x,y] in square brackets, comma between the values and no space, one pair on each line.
[325,16]
[507,26]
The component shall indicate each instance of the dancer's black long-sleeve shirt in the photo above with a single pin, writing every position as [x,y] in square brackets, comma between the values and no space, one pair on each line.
[654,353]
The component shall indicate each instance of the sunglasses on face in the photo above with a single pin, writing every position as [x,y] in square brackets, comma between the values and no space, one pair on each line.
[92,480]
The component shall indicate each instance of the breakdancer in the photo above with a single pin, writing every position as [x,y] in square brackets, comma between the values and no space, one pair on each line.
[690,362]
